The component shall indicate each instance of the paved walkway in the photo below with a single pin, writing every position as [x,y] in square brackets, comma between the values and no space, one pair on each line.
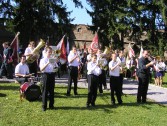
[155,93]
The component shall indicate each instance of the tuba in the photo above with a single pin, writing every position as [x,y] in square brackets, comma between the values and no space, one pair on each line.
[35,53]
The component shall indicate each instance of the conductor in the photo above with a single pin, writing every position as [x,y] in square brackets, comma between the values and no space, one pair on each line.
[143,76]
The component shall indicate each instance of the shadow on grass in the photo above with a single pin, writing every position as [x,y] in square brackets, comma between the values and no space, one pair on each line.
[9,87]
[2,95]
[106,108]
[63,95]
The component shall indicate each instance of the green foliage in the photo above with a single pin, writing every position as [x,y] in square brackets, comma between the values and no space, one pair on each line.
[117,17]
[36,19]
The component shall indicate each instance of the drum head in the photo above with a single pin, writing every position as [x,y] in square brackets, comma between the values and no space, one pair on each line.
[33,93]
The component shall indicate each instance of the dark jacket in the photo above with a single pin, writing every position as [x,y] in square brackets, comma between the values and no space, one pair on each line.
[143,71]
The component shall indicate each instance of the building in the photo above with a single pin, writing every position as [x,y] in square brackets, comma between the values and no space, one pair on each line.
[82,34]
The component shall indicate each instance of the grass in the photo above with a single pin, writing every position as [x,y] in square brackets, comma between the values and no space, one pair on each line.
[165,80]
[71,111]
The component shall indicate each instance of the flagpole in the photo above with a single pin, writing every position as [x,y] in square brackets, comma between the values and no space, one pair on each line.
[18,33]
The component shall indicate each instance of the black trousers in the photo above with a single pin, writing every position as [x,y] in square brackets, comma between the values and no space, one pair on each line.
[92,88]
[142,89]
[121,82]
[33,67]
[6,70]
[22,80]
[115,87]
[102,80]
[48,87]
[73,76]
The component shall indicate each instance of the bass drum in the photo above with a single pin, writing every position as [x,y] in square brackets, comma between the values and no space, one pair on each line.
[32,92]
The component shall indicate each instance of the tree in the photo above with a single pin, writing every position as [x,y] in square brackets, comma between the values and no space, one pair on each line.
[37,19]
[129,18]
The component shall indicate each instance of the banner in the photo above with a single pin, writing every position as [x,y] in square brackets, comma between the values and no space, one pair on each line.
[15,46]
[61,47]
[94,45]
[131,51]
[141,51]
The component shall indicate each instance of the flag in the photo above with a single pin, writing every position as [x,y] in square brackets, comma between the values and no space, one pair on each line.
[94,45]
[15,46]
[61,47]
[131,51]
[67,47]
[84,45]
[141,51]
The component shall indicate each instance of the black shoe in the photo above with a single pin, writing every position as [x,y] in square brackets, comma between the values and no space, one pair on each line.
[93,104]
[87,106]
[68,94]
[43,109]
[112,103]
[138,101]
[51,107]
[144,102]
[119,103]
[75,93]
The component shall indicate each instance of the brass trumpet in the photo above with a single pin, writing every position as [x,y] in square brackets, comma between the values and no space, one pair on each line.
[35,53]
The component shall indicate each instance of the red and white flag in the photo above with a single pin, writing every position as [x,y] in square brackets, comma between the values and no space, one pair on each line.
[131,51]
[61,47]
[95,43]
[141,51]
[15,46]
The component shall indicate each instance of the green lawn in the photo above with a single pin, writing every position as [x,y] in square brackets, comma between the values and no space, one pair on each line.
[165,81]
[71,111]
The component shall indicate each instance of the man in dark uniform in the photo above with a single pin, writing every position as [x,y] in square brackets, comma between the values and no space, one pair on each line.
[143,77]
[6,67]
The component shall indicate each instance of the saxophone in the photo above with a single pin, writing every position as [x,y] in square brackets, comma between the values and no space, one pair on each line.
[35,53]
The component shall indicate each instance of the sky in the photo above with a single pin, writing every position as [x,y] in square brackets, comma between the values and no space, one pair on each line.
[80,15]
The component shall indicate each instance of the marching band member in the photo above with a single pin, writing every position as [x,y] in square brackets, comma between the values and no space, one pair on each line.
[44,50]
[28,52]
[93,72]
[74,62]
[22,71]
[47,69]
[102,76]
[89,55]
[121,59]
[6,67]
[115,85]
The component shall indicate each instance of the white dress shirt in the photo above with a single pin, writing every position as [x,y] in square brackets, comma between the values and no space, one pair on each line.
[44,53]
[28,50]
[160,66]
[75,62]
[89,57]
[22,69]
[93,69]
[116,71]
[50,67]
